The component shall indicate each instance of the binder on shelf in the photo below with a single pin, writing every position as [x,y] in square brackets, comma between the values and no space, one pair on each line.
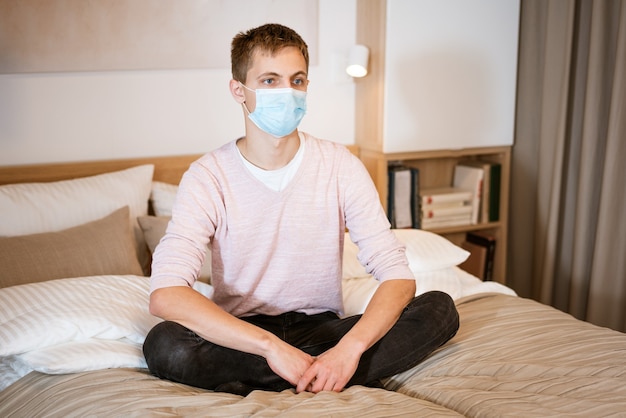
[488,242]
[470,178]
[494,192]
[403,203]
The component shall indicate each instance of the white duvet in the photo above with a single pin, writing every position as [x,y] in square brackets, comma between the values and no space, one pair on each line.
[99,322]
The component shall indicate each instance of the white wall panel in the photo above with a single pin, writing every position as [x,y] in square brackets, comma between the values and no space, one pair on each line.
[75,116]
[450,74]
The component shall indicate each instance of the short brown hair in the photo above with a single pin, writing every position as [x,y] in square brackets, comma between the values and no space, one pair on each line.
[271,38]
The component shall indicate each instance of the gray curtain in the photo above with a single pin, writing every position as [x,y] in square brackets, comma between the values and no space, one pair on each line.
[568,181]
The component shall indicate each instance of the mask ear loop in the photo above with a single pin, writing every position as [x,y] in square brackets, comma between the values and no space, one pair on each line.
[244,102]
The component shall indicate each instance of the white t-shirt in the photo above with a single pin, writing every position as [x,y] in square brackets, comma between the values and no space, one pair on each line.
[277,180]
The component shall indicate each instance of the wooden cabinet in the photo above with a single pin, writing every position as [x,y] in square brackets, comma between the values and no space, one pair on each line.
[436,170]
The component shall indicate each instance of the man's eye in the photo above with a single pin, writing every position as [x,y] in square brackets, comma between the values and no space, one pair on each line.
[298,81]
[268,81]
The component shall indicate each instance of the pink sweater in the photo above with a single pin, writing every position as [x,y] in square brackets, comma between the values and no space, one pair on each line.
[274,252]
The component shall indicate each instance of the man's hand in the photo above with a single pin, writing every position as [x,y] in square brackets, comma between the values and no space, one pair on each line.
[331,370]
[289,362]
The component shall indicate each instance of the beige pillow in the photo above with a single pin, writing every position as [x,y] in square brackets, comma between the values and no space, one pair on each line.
[34,208]
[154,228]
[101,247]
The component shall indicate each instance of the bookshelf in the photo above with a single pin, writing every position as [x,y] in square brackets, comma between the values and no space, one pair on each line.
[436,170]
[400,115]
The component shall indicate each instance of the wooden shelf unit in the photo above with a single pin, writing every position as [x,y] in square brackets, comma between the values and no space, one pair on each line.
[436,170]
[436,165]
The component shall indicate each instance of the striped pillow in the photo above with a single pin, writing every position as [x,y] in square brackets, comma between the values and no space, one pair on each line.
[39,315]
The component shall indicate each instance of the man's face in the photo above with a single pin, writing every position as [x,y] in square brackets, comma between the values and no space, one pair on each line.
[286,68]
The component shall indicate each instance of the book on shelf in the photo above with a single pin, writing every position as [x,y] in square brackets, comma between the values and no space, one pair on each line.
[446,222]
[483,206]
[494,191]
[445,195]
[445,211]
[488,243]
[476,263]
[469,177]
[403,203]
[490,198]
[445,207]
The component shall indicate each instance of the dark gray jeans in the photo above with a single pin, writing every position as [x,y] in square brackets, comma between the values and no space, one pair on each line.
[175,353]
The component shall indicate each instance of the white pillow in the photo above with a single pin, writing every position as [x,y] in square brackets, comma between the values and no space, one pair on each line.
[452,280]
[11,371]
[425,250]
[38,315]
[74,325]
[162,198]
[81,356]
[357,293]
[31,208]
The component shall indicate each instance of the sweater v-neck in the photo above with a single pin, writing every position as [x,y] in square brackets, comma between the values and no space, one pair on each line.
[282,178]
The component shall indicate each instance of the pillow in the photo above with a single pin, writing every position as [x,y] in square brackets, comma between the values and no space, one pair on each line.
[162,198]
[104,246]
[11,371]
[357,293]
[425,250]
[32,208]
[452,280]
[40,315]
[81,356]
[154,228]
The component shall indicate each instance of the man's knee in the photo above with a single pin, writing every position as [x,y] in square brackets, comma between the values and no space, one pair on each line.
[436,307]
[165,347]
[445,308]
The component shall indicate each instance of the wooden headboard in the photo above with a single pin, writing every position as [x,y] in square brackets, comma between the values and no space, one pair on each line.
[166,169]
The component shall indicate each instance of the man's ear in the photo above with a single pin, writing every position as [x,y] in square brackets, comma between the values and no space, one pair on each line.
[237,91]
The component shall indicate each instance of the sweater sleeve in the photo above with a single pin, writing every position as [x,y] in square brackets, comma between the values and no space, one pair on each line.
[380,252]
[180,254]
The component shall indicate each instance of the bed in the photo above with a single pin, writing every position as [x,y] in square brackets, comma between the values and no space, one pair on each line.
[75,245]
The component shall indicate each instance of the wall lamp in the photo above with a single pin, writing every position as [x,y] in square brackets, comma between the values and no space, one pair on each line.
[357,61]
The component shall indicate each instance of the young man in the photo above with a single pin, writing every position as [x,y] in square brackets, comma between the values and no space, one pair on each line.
[274,206]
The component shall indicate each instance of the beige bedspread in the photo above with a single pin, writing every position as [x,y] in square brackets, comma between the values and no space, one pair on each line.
[511,357]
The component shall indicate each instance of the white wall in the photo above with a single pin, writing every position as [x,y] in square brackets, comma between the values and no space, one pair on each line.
[55,117]
[450,74]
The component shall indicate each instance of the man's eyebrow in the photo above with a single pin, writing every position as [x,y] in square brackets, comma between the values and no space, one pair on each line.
[300,73]
[274,74]
[269,74]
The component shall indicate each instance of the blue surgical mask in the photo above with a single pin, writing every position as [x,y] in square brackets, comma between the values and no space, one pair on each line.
[278,111]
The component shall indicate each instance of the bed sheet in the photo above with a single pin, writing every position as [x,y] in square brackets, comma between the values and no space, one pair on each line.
[124,392]
[516,357]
